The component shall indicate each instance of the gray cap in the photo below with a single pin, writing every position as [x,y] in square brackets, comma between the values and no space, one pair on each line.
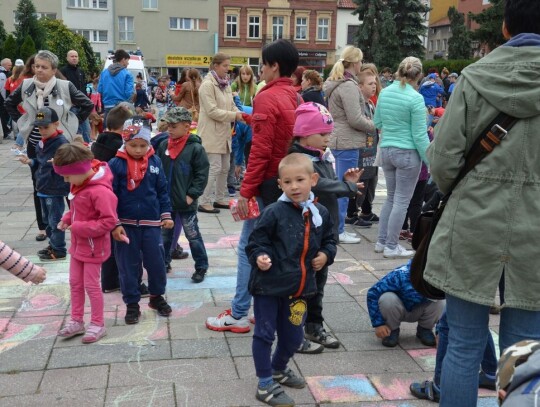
[45,116]
[453,75]
[177,114]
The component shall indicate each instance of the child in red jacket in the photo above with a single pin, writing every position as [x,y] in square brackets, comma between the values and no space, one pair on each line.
[91,218]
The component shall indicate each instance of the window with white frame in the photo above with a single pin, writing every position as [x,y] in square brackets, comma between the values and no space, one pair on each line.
[126,29]
[87,4]
[430,45]
[438,45]
[352,32]
[231,25]
[301,28]
[94,35]
[150,4]
[254,29]
[51,16]
[188,24]
[277,27]
[322,29]
[445,44]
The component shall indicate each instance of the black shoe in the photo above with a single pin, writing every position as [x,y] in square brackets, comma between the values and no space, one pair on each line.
[110,290]
[349,220]
[218,205]
[179,254]
[143,289]
[426,336]
[40,237]
[198,276]
[52,255]
[168,268]
[133,313]
[370,217]
[204,210]
[391,340]
[361,223]
[44,251]
[160,305]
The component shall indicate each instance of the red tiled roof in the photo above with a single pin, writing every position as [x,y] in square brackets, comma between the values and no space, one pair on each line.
[442,22]
[346,4]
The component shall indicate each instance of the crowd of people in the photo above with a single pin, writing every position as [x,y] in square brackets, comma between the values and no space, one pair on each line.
[308,151]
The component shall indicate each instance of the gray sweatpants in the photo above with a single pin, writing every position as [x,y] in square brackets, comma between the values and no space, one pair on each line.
[394,313]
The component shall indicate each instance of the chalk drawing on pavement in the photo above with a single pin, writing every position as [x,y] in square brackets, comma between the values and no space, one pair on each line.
[342,389]
[424,357]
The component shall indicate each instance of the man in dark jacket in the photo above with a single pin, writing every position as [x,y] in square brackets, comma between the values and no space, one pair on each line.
[73,73]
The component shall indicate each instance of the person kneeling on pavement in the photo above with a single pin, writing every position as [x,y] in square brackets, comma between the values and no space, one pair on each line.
[393,300]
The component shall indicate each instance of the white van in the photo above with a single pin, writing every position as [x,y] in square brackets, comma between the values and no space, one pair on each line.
[135,66]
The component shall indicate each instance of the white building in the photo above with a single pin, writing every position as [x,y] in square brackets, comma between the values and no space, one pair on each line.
[346,26]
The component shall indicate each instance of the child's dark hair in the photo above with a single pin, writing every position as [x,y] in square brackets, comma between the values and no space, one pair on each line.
[522,16]
[284,53]
[72,153]
[117,116]
[120,54]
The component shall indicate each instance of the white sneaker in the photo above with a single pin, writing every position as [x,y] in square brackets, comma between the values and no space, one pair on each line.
[226,322]
[379,247]
[397,253]
[347,238]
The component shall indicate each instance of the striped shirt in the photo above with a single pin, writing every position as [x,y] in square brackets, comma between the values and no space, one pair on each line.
[16,264]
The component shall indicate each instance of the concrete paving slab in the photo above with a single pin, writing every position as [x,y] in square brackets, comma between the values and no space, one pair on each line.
[19,383]
[77,378]
[160,395]
[207,348]
[60,398]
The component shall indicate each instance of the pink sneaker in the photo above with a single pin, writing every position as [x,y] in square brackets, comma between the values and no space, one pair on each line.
[94,333]
[72,328]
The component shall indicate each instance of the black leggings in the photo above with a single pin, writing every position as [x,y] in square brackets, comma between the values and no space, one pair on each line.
[415,206]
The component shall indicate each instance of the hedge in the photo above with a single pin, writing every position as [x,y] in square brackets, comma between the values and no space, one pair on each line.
[453,65]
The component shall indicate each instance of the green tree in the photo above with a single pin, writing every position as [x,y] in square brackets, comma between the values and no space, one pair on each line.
[490,21]
[27,24]
[10,48]
[28,48]
[409,17]
[459,46]
[3,33]
[93,63]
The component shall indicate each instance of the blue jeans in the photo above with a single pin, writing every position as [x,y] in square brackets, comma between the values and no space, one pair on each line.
[467,338]
[489,360]
[401,169]
[52,209]
[345,159]
[84,126]
[242,298]
[190,223]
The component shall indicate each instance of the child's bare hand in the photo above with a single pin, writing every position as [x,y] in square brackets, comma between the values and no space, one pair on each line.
[39,276]
[189,200]
[118,234]
[382,331]
[264,262]
[167,224]
[62,226]
[24,159]
[319,261]
[353,174]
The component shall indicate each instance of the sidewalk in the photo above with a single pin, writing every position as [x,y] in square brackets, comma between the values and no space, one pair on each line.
[176,361]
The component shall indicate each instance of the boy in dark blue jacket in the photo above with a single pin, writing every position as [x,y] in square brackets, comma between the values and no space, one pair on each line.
[292,240]
[186,168]
[143,208]
[393,300]
[51,187]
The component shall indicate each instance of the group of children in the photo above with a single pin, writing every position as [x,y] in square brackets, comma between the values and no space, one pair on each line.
[129,199]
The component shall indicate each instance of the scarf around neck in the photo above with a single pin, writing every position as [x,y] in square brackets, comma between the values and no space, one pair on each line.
[136,169]
[43,89]
[176,146]
[307,206]
[96,165]
[222,83]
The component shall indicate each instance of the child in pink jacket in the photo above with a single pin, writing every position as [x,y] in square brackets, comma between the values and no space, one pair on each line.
[91,218]
[20,267]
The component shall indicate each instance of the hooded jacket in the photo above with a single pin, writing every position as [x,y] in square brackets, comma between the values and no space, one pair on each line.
[115,85]
[187,174]
[280,233]
[345,102]
[430,90]
[49,182]
[92,215]
[491,221]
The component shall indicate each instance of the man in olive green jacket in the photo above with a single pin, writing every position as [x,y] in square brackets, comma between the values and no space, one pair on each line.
[492,220]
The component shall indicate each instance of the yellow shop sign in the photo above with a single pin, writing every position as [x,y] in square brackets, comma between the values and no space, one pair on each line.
[187,60]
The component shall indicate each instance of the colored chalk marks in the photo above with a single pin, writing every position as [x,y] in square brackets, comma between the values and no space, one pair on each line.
[488,402]
[424,357]
[342,389]
[396,386]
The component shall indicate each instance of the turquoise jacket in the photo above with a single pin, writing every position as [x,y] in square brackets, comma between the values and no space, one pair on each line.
[401,115]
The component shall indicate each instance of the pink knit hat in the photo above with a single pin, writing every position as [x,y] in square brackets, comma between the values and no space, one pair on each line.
[312,118]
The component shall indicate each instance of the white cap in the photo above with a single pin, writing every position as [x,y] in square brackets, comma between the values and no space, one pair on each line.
[19,62]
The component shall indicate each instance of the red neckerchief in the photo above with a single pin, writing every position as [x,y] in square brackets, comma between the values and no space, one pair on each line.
[95,167]
[175,146]
[136,169]
[58,132]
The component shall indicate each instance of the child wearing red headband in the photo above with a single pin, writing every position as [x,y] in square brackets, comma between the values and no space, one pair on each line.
[91,217]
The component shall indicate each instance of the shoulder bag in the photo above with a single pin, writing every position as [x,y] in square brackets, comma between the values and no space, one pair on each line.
[490,138]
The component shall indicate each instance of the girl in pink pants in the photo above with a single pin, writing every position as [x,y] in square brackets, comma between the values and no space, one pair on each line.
[91,218]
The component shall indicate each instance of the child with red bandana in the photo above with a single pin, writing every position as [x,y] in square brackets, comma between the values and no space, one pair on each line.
[186,165]
[91,217]
[143,208]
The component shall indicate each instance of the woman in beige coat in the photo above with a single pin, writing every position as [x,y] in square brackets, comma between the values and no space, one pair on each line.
[217,113]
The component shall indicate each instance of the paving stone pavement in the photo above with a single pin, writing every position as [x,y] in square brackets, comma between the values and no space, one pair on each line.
[176,361]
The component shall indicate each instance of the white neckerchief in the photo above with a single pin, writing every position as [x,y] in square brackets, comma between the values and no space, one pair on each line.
[308,205]
[43,90]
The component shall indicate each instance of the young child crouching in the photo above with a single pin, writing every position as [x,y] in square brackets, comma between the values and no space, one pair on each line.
[292,240]
[91,217]
[143,208]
